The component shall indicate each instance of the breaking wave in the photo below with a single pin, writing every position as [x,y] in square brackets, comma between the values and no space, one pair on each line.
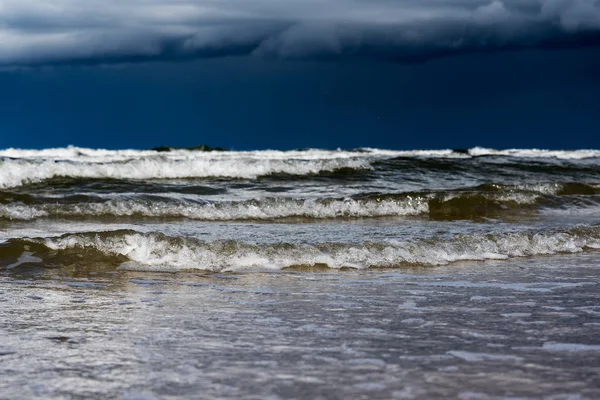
[104,155]
[19,167]
[265,209]
[18,172]
[535,153]
[133,250]
[484,201]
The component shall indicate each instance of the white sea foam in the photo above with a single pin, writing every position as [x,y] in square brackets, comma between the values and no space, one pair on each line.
[265,209]
[148,251]
[570,347]
[21,212]
[563,347]
[479,357]
[525,197]
[25,166]
[302,205]
[21,166]
[197,207]
[18,172]
[72,152]
[536,153]
[25,258]
[104,155]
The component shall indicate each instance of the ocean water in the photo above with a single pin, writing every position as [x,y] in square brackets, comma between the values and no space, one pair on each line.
[367,273]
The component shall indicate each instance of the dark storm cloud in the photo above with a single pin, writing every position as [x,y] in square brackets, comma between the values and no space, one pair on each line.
[102,31]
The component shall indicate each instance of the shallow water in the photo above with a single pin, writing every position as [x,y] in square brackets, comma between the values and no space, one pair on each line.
[523,328]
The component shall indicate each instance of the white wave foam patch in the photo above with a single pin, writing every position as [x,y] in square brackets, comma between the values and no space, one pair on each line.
[25,258]
[18,172]
[521,198]
[102,155]
[265,209]
[570,347]
[577,211]
[536,153]
[173,205]
[21,212]
[157,252]
[74,153]
[196,208]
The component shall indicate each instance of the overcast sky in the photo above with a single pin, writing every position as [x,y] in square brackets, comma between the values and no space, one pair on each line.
[300,73]
[47,31]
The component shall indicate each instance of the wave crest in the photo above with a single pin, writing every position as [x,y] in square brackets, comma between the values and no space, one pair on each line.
[485,201]
[19,172]
[158,252]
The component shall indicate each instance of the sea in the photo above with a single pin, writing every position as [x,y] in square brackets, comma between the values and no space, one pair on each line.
[305,274]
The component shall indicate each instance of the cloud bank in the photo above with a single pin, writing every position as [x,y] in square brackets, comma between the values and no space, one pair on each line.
[41,32]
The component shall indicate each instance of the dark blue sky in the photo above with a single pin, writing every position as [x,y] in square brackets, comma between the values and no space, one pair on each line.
[529,98]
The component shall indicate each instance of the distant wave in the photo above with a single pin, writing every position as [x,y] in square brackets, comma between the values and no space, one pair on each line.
[479,202]
[81,153]
[130,249]
[19,167]
[536,153]
[17,172]
[103,155]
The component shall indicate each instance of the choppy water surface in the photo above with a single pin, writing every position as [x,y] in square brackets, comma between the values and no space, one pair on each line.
[366,273]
